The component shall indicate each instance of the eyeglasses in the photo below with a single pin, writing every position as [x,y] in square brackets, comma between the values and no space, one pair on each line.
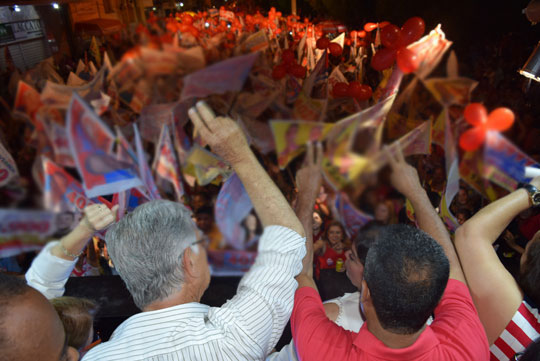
[199,241]
[518,355]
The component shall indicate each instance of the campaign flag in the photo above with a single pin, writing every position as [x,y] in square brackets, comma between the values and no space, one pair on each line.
[307,108]
[80,67]
[504,163]
[144,170]
[24,230]
[27,101]
[232,206]
[318,79]
[450,91]
[94,51]
[218,78]
[471,169]
[292,90]
[417,141]
[429,51]
[290,137]
[152,119]
[255,42]
[205,165]
[351,218]
[230,263]
[91,143]
[165,162]
[437,130]
[341,169]
[62,192]
[59,96]
[452,171]
[8,167]
[58,137]
[74,80]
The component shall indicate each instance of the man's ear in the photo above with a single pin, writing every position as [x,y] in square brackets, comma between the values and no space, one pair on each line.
[72,354]
[189,263]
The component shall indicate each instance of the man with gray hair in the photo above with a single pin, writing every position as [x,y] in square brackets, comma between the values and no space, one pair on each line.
[156,253]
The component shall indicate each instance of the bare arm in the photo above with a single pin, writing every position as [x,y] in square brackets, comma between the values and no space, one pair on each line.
[308,180]
[495,293]
[228,141]
[96,217]
[405,180]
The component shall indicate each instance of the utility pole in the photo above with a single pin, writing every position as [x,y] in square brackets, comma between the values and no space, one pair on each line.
[293,7]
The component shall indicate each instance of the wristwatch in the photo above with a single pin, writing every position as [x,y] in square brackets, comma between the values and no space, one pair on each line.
[534,194]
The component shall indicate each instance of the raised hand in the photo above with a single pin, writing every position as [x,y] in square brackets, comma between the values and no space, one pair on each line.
[308,178]
[222,133]
[98,217]
[404,177]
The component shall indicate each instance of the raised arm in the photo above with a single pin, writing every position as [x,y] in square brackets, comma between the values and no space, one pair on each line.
[496,294]
[228,141]
[308,181]
[405,180]
[52,267]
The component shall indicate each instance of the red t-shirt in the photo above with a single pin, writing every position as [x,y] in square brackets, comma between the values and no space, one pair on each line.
[455,334]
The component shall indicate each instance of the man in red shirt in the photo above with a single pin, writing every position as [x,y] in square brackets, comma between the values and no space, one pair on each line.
[406,273]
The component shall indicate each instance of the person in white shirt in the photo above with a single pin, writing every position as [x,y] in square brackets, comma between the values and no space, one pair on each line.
[155,251]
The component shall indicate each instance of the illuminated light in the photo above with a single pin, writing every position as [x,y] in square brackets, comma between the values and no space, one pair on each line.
[154,9]
[181,4]
[17,8]
[531,69]
[55,6]
[228,25]
[206,25]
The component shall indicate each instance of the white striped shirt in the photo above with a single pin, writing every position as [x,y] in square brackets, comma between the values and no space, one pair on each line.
[518,334]
[246,327]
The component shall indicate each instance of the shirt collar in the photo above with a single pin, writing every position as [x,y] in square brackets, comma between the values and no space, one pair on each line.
[368,343]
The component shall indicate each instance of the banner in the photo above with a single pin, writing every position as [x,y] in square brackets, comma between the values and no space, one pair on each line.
[165,162]
[91,143]
[471,169]
[504,163]
[430,50]
[351,218]
[218,78]
[24,230]
[232,207]
[8,167]
[206,166]
[255,42]
[451,91]
[290,137]
[152,119]
[74,80]
[27,100]
[307,108]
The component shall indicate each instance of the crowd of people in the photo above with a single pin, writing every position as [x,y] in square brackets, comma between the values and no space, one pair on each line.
[403,286]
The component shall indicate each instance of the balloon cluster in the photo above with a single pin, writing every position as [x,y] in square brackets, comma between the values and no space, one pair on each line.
[354,90]
[476,114]
[289,66]
[395,41]
[334,48]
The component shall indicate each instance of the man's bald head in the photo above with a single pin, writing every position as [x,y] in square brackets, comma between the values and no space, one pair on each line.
[30,328]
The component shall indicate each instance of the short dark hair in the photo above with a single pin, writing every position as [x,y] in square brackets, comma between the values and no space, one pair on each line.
[529,273]
[205,210]
[10,288]
[532,352]
[406,271]
[365,238]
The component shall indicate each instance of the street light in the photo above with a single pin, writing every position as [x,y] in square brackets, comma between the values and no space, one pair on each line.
[55,6]
[531,69]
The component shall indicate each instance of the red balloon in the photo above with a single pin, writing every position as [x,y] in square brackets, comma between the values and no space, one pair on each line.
[500,119]
[353,34]
[391,36]
[383,24]
[412,30]
[322,43]
[472,138]
[287,56]
[335,49]
[407,60]
[362,34]
[340,90]
[298,71]
[279,72]
[370,27]
[383,59]
[475,114]
[359,91]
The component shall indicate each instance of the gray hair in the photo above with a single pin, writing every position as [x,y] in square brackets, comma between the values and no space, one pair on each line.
[146,247]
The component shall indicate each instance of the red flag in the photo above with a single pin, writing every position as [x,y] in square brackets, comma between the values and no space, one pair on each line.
[165,162]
